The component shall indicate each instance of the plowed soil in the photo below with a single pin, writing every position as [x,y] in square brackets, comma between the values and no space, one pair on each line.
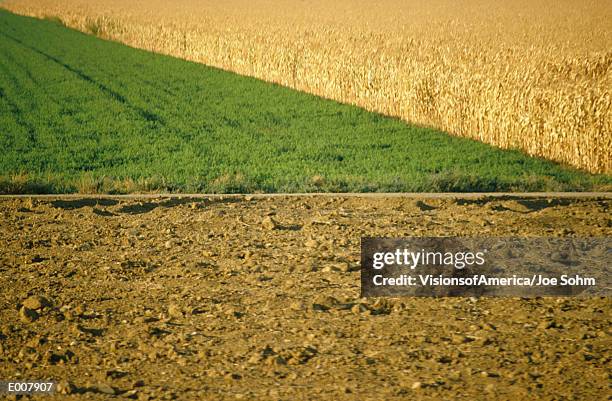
[258,298]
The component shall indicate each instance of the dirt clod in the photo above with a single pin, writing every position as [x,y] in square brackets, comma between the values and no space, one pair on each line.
[36,302]
[175,311]
[28,315]
[269,223]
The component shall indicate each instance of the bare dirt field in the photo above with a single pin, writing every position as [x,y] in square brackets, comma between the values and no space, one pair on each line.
[258,298]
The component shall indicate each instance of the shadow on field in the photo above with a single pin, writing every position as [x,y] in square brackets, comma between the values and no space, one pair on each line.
[79,203]
[136,206]
[539,204]
[145,207]
[527,205]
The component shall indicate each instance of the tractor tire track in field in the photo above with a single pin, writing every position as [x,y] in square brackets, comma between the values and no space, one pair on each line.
[17,113]
[144,114]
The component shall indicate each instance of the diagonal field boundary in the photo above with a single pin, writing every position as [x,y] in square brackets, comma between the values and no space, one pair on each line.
[100,121]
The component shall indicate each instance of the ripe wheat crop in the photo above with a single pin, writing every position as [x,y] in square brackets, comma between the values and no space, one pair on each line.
[530,75]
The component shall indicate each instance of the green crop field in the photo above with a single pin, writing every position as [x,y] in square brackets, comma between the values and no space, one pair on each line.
[80,114]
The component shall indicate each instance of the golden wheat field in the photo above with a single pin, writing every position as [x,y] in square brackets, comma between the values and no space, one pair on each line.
[532,75]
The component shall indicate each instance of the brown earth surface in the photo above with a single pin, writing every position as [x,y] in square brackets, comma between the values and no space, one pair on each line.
[258,298]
